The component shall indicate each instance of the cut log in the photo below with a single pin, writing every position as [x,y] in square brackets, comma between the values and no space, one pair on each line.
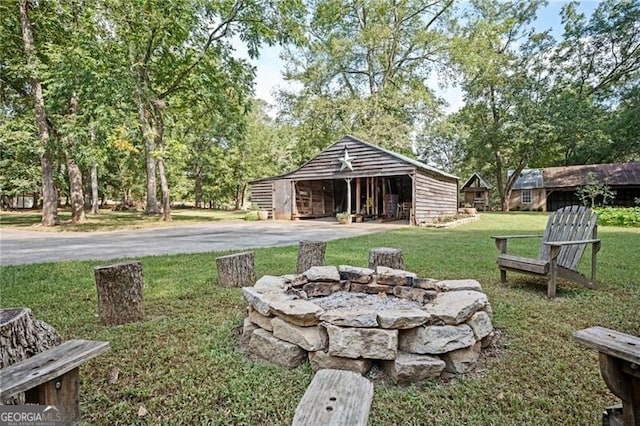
[385,256]
[236,270]
[120,293]
[21,337]
[310,253]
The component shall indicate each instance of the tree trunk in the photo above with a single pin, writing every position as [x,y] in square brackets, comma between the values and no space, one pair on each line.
[145,120]
[164,185]
[236,270]
[49,193]
[76,193]
[150,153]
[197,189]
[95,201]
[22,336]
[385,256]
[310,253]
[120,293]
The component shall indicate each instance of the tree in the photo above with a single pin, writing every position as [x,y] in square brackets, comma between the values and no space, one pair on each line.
[363,70]
[49,194]
[501,64]
[594,190]
[596,70]
[161,61]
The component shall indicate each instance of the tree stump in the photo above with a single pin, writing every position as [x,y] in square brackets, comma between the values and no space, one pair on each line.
[385,256]
[310,253]
[236,270]
[21,337]
[120,298]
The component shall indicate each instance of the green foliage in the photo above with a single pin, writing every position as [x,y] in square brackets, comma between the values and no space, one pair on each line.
[362,69]
[251,215]
[186,351]
[618,216]
[595,190]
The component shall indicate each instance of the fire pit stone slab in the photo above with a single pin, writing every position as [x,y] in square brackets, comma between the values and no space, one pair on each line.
[322,273]
[402,318]
[463,360]
[408,367]
[373,343]
[458,285]
[351,318]
[322,359]
[456,307]
[436,339]
[308,338]
[266,346]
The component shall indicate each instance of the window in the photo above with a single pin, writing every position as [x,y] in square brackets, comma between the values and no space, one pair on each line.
[526,196]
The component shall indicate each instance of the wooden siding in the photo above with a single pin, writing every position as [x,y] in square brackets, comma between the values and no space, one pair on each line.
[538,200]
[434,196]
[367,162]
[262,195]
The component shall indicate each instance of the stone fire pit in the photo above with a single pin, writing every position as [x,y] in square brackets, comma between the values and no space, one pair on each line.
[349,317]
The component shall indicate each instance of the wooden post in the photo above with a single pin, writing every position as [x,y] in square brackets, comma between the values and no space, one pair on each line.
[385,256]
[310,253]
[348,180]
[236,270]
[358,195]
[120,288]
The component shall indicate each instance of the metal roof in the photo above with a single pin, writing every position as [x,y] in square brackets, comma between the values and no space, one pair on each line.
[611,174]
[528,179]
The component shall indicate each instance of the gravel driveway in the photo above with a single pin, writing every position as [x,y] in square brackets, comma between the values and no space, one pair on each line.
[26,246]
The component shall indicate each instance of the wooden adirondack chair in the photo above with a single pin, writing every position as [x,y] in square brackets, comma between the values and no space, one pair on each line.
[569,231]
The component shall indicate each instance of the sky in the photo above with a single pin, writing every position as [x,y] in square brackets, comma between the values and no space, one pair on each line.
[269,66]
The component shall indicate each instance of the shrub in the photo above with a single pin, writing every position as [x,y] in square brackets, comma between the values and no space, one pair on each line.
[619,216]
[251,215]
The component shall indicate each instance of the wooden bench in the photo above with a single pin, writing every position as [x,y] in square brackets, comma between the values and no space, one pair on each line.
[335,397]
[619,366]
[51,377]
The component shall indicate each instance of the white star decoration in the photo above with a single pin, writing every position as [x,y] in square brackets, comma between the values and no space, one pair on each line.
[346,161]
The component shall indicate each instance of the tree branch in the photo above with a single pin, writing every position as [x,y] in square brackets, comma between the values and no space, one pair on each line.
[219,32]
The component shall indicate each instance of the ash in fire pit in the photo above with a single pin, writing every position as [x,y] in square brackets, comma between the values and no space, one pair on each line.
[350,317]
[359,302]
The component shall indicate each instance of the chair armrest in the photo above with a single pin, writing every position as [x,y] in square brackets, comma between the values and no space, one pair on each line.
[501,241]
[506,237]
[568,243]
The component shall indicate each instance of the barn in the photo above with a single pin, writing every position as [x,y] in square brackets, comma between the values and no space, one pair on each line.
[364,179]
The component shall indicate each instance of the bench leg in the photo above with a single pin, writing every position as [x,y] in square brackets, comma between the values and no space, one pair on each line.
[624,381]
[62,392]
[503,276]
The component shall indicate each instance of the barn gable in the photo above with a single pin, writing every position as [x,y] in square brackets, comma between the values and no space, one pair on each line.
[367,160]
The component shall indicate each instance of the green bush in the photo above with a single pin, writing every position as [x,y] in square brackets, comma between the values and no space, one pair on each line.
[619,216]
[251,215]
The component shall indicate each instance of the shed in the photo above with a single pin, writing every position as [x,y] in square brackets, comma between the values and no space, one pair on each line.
[477,192]
[368,181]
[562,183]
[528,191]
[552,188]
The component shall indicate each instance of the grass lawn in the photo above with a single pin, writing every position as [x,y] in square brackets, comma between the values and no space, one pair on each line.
[183,365]
[108,220]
